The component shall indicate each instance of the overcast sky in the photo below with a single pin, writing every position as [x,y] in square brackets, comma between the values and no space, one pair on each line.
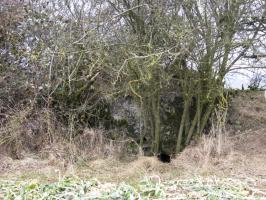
[235,79]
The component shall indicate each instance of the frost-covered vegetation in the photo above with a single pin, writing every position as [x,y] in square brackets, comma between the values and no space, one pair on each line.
[151,188]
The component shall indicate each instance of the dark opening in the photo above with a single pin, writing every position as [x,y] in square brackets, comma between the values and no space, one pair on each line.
[165,158]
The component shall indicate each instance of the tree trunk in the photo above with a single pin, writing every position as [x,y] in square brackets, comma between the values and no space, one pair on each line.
[206,116]
[192,128]
[157,123]
[198,115]
[182,125]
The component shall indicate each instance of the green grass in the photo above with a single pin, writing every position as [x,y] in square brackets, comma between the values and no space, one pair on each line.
[150,188]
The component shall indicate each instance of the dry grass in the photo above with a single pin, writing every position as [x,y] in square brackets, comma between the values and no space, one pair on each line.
[206,155]
[11,134]
[211,149]
[27,131]
[241,156]
[247,112]
[204,159]
[94,144]
[217,154]
[91,145]
[117,171]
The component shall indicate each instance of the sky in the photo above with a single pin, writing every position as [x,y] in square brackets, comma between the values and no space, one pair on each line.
[237,78]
